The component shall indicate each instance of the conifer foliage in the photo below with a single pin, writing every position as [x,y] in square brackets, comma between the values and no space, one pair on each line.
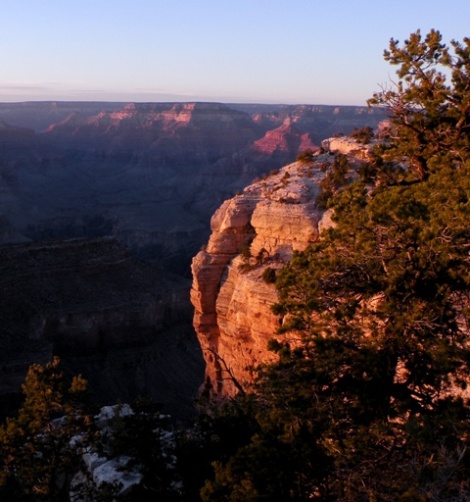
[38,455]
[430,103]
[368,399]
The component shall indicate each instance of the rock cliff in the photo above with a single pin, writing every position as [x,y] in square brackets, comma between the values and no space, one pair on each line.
[285,139]
[254,232]
[149,175]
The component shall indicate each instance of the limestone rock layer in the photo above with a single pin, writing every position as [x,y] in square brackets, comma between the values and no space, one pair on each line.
[257,229]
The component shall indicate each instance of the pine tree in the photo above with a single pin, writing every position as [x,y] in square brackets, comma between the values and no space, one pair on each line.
[37,452]
[431,116]
[368,396]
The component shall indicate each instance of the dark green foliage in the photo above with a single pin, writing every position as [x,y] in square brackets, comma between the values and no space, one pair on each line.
[264,456]
[430,104]
[381,306]
[269,275]
[380,171]
[367,395]
[363,135]
[37,457]
[262,256]
[335,178]
[381,302]
[245,251]
[145,437]
[217,435]
[306,156]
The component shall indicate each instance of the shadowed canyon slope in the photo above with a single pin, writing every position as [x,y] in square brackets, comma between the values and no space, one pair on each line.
[149,174]
[107,315]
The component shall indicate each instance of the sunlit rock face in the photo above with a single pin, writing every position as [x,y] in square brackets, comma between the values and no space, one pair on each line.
[284,139]
[171,130]
[254,231]
[233,317]
[346,146]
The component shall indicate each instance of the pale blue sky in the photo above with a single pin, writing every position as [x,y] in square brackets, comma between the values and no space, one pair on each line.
[267,51]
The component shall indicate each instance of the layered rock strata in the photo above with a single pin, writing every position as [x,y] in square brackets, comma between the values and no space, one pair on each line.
[148,174]
[257,230]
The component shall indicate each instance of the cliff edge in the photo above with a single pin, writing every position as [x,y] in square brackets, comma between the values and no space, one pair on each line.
[255,231]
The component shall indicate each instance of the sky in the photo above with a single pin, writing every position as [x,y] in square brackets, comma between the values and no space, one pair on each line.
[245,51]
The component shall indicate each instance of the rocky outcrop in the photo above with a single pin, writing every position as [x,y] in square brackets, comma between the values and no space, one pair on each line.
[231,292]
[233,317]
[347,146]
[283,140]
[103,467]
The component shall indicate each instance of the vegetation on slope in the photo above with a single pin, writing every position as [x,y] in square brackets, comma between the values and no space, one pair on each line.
[37,455]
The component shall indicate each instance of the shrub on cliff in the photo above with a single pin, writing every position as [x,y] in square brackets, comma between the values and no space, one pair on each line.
[269,275]
[306,156]
[336,177]
[42,449]
[362,135]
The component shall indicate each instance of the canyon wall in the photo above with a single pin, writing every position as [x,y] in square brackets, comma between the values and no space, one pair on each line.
[255,231]
[100,201]
[121,323]
[148,174]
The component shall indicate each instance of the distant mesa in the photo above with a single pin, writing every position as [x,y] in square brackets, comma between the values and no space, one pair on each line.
[285,139]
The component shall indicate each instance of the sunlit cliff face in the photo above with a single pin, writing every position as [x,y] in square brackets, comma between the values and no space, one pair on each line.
[255,231]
